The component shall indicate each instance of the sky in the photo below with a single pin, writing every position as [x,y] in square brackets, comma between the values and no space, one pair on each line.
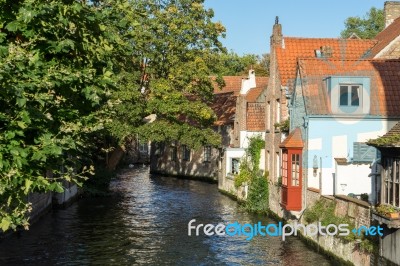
[249,23]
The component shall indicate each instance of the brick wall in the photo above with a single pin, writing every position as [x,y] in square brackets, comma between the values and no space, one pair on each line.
[195,167]
[357,210]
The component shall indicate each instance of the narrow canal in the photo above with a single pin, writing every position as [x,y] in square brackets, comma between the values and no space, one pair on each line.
[146,222]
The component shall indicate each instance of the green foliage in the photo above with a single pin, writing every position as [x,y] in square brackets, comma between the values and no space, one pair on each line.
[367,27]
[75,74]
[364,197]
[254,151]
[231,64]
[386,209]
[257,200]
[283,126]
[324,212]
[173,45]
[56,71]
[245,173]
[392,140]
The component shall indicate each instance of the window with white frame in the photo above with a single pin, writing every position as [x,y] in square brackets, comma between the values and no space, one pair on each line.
[350,95]
[295,170]
[207,153]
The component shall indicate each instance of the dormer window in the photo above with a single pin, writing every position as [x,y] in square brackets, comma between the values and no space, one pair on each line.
[350,95]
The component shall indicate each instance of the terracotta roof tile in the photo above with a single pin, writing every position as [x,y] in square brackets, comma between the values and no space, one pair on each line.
[255,120]
[224,106]
[253,94]
[234,84]
[293,48]
[384,89]
[385,37]
[294,140]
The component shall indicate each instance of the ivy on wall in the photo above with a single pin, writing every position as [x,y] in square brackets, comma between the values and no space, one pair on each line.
[257,200]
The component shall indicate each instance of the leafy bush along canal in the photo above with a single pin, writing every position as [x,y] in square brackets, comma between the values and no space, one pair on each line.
[146,222]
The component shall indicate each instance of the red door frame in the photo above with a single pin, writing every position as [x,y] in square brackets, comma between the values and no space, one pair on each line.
[292,194]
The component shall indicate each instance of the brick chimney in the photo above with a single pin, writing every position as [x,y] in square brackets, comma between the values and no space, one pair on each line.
[391,11]
[276,37]
[249,82]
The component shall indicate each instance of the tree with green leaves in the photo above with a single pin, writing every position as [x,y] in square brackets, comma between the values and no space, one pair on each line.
[367,27]
[74,72]
[59,63]
[231,64]
[174,44]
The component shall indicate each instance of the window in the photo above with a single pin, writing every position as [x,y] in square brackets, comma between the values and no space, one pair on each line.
[235,165]
[174,153]
[143,147]
[207,153]
[284,168]
[185,153]
[295,170]
[391,183]
[349,95]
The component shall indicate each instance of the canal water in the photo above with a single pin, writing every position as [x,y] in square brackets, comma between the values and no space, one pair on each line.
[146,222]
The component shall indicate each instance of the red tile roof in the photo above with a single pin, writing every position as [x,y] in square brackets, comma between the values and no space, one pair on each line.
[293,48]
[255,120]
[385,37]
[224,106]
[234,84]
[253,94]
[384,89]
[294,140]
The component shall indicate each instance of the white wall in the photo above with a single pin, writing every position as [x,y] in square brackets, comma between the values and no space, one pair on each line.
[353,178]
[333,137]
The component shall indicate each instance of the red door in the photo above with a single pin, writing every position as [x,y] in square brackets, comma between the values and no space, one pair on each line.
[291,179]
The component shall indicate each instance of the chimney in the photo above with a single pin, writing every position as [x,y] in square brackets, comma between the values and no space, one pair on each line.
[248,83]
[276,37]
[391,11]
[326,51]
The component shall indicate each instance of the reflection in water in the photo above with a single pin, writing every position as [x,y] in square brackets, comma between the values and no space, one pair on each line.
[146,223]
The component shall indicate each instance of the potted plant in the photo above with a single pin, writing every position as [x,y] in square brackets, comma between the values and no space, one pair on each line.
[388,211]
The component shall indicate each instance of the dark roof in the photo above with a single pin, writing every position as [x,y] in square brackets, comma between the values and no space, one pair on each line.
[390,139]
[224,106]
[385,37]
[384,76]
